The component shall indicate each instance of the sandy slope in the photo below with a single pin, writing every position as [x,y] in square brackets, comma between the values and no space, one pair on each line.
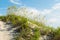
[4,34]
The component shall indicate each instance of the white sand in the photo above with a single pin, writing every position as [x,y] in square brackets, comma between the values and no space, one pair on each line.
[4,35]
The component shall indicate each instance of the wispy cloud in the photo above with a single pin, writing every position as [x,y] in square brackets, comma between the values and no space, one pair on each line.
[18,2]
[54,14]
[53,8]
[56,6]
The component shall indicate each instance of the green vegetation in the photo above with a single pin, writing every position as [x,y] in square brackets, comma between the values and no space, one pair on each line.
[26,32]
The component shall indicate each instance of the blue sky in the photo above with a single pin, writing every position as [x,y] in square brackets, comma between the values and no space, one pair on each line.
[49,8]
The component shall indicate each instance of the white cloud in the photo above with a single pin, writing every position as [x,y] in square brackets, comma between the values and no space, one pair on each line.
[1,14]
[53,20]
[18,2]
[53,15]
[33,11]
[53,8]
[46,11]
[56,6]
